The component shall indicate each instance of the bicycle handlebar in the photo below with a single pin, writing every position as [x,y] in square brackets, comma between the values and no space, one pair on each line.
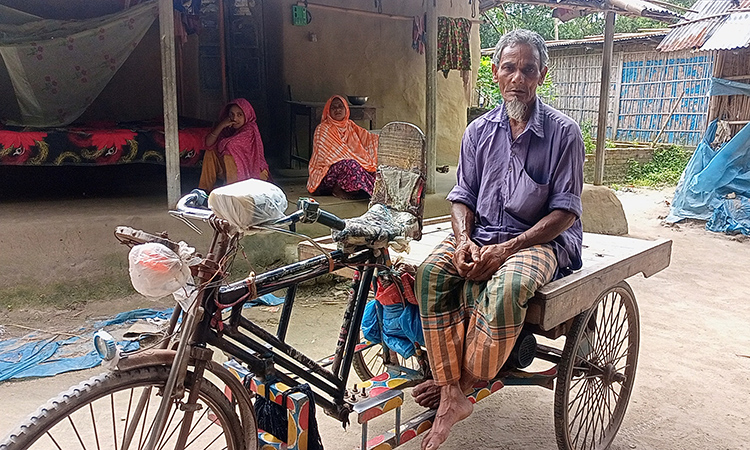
[309,212]
[194,206]
[331,221]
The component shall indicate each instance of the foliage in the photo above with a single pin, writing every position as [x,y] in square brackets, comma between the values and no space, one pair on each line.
[489,93]
[664,169]
[511,16]
[589,139]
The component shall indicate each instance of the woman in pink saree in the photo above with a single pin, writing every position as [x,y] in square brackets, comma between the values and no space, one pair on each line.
[234,148]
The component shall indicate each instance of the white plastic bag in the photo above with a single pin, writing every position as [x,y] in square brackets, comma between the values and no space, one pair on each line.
[248,203]
[156,271]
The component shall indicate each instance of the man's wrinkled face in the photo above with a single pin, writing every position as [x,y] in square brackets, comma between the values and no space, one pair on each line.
[518,73]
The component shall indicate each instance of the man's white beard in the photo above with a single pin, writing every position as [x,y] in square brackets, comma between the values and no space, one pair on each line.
[516,109]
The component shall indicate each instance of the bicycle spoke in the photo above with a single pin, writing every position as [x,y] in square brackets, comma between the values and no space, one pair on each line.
[165,437]
[54,441]
[93,424]
[73,425]
[114,421]
[199,435]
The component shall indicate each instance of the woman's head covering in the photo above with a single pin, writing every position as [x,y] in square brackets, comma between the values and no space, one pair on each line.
[326,118]
[339,140]
[244,144]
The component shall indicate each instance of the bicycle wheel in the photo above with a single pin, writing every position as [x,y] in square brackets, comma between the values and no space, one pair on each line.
[597,371]
[96,414]
[372,361]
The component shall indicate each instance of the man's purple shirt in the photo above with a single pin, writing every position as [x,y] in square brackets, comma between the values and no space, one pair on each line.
[510,185]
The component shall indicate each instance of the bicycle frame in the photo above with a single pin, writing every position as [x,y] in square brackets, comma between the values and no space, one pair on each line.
[250,344]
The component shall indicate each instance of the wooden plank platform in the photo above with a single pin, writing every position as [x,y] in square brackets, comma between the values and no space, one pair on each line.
[607,260]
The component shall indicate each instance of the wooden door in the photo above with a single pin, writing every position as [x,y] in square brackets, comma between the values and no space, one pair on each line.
[246,71]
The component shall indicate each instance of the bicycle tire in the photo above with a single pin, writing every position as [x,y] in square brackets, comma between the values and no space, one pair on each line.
[590,405]
[47,427]
[371,362]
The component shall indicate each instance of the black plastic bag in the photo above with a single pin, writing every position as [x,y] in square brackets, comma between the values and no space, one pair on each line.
[273,419]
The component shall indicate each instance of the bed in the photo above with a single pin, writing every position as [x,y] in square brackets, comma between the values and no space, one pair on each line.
[98,144]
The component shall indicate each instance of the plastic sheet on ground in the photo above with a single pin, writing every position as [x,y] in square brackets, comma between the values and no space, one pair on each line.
[715,185]
[43,355]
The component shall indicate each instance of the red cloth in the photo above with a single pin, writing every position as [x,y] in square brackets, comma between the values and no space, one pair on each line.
[245,144]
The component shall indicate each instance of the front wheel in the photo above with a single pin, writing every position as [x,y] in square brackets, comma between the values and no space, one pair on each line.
[116,410]
[597,371]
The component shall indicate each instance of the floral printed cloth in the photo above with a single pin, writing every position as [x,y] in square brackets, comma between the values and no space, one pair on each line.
[453,44]
[59,67]
[83,146]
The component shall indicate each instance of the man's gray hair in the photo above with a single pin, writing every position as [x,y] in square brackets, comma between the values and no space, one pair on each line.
[522,37]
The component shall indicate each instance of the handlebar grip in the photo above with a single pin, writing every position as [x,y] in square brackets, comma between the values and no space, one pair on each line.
[331,221]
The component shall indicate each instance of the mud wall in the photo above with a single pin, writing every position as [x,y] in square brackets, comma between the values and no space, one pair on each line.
[345,53]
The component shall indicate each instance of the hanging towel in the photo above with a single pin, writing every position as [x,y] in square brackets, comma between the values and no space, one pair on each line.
[453,44]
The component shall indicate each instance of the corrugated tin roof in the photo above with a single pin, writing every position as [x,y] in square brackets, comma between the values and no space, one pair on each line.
[619,37]
[733,33]
[711,17]
[642,8]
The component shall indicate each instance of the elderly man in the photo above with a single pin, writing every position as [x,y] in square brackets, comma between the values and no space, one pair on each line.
[515,215]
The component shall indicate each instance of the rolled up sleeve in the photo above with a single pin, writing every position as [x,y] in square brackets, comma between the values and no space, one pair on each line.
[566,182]
[467,178]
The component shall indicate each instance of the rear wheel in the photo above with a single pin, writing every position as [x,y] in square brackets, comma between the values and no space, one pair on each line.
[99,412]
[597,371]
[373,361]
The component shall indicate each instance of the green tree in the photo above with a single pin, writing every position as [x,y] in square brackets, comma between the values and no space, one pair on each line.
[510,16]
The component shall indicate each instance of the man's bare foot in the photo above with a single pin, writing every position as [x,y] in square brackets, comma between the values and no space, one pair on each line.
[454,407]
[427,394]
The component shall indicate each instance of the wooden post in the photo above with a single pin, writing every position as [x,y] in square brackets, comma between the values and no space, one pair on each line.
[618,93]
[169,90]
[431,94]
[601,126]
[713,101]
[223,51]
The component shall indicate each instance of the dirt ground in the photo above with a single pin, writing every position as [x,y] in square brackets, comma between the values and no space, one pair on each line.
[692,387]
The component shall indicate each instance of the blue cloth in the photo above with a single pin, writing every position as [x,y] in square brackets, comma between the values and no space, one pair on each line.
[731,216]
[720,86]
[397,326]
[709,177]
[31,356]
[510,185]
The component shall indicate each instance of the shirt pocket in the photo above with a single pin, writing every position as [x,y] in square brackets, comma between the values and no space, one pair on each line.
[528,201]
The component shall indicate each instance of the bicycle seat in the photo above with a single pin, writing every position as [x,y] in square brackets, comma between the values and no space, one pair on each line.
[379,227]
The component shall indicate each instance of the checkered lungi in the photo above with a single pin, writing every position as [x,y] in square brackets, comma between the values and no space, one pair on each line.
[473,325]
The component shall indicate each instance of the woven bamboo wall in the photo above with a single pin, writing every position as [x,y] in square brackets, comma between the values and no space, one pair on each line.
[576,75]
[652,94]
[733,65]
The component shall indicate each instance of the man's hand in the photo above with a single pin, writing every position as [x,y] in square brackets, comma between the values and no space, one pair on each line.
[466,255]
[491,257]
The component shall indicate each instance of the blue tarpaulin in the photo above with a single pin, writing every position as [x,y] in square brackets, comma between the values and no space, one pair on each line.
[36,356]
[720,86]
[715,185]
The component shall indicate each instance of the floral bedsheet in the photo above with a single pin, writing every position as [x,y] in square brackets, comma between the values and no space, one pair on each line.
[88,145]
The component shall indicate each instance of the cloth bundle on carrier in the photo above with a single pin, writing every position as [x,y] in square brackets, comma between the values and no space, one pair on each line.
[393,318]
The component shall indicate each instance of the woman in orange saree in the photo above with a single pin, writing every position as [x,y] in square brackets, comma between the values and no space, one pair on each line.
[344,157]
